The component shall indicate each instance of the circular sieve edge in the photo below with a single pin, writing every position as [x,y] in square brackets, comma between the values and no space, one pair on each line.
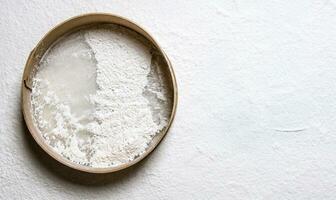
[35,55]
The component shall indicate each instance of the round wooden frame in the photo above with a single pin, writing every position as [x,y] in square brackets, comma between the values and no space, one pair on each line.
[68,26]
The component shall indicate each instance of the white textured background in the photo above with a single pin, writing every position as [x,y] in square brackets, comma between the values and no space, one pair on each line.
[257,106]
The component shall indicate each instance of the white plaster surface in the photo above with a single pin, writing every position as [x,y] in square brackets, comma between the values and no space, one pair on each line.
[257,102]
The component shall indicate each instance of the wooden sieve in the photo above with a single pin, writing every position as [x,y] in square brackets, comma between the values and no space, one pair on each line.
[36,54]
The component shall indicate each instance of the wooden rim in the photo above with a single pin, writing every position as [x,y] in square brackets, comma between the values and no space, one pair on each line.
[66,27]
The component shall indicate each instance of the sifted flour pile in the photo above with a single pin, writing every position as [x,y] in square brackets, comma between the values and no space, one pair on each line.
[100,95]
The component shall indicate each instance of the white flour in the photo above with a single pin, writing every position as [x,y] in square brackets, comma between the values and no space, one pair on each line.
[100,95]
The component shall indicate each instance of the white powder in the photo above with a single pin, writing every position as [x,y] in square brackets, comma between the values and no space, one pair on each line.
[100,95]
